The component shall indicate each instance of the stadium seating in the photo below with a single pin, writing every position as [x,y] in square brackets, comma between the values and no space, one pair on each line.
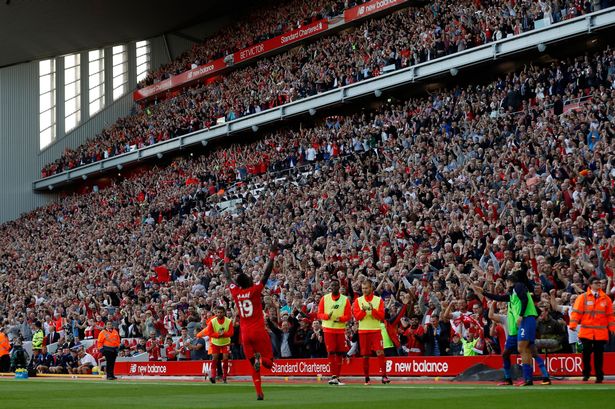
[266,20]
[426,197]
[401,39]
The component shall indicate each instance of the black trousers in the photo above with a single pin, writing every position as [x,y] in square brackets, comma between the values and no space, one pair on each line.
[392,351]
[5,363]
[110,356]
[597,348]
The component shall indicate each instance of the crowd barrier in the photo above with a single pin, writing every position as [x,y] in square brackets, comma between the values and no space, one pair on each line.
[557,364]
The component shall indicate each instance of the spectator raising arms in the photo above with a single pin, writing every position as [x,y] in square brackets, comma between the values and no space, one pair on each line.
[437,197]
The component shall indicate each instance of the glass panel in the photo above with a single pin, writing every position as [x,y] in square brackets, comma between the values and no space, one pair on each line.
[45,67]
[117,70]
[118,92]
[46,119]
[45,83]
[46,101]
[46,137]
[95,106]
[71,106]
[94,55]
[71,74]
[142,52]
[95,80]
[71,60]
[142,59]
[94,93]
[71,90]
[93,67]
[118,59]
[71,122]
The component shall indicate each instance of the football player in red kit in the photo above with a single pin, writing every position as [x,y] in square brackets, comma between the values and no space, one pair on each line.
[254,336]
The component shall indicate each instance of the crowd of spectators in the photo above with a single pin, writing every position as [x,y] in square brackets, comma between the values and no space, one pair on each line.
[69,356]
[429,198]
[264,21]
[401,39]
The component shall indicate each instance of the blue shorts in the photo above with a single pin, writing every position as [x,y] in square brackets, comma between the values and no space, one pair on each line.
[511,344]
[527,330]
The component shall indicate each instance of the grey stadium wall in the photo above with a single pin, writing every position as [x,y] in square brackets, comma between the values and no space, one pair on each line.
[21,159]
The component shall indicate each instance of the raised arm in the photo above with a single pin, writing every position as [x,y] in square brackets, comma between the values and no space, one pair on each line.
[489,296]
[446,314]
[402,312]
[384,277]
[478,290]
[350,290]
[492,315]
[227,259]
[553,301]
[273,252]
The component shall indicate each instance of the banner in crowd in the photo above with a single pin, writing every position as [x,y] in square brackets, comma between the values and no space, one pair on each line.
[369,8]
[179,80]
[279,41]
[212,67]
[558,365]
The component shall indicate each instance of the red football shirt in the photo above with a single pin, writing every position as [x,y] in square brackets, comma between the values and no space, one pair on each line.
[250,306]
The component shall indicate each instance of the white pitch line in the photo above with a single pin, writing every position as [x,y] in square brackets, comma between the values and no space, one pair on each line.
[359,386]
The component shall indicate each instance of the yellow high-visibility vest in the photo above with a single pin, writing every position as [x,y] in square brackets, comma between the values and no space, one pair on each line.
[224,327]
[369,322]
[338,310]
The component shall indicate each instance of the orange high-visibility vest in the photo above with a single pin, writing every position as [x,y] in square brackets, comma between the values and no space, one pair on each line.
[109,339]
[5,346]
[594,315]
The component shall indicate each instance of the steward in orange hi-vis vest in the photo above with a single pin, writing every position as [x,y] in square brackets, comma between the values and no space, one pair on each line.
[593,311]
[108,344]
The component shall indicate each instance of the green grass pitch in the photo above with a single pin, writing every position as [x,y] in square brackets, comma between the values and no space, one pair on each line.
[67,394]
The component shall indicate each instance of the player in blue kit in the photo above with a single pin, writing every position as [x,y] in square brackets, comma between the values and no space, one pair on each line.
[520,323]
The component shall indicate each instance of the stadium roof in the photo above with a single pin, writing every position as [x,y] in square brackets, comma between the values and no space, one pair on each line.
[37,29]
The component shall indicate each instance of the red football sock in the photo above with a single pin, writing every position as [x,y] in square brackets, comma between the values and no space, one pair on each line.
[333,363]
[366,366]
[338,365]
[383,365]
[256,379]
[214,368]
[224,368]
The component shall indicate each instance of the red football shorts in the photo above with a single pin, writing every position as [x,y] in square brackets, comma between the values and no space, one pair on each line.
[256,340]
[370,342]
[335,342]
[215,349]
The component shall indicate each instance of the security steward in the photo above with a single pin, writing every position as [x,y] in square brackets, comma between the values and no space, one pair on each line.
[38,337]
[108,345]
[5,348]
[593,311]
